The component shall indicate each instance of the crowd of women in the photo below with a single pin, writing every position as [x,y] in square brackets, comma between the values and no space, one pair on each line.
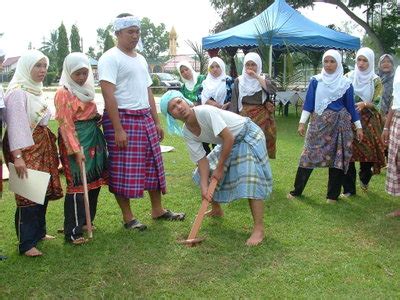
[228,126]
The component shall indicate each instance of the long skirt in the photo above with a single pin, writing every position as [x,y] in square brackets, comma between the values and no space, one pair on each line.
[247,173]
[42,156]
[260,115]
[393,170]
[139,166]
[328,141]
[94,146]
[371,149]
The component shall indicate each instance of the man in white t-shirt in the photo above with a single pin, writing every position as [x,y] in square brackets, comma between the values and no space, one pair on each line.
[131,125]
[2,56]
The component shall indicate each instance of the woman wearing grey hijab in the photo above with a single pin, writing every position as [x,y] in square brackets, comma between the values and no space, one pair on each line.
[386,73]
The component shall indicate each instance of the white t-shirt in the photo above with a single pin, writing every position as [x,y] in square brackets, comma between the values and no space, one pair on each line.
[130,76]
[212,121]
[1,97]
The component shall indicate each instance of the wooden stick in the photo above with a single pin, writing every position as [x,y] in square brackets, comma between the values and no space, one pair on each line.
[86,199]
[203,208]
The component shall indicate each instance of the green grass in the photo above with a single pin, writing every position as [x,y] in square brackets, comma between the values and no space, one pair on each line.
[311,250]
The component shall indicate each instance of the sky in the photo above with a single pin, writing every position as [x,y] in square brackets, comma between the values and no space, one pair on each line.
[25,21]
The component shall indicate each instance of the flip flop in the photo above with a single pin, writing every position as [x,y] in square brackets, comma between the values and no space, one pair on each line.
[135,224]
[171,216]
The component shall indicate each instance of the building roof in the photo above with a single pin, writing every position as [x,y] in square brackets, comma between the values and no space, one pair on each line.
[171,64]
[10,61]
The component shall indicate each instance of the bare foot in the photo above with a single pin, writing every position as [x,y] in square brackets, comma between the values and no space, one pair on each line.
[394,214]
[214,213]
[256,237]
[290,196]
[48,237]
[33,252]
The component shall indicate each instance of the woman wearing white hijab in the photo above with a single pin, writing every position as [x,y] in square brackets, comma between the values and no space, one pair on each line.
[78,119]
[251,98]
[391,137]
[29,143]
[217,87]
[191,82]
[370,151]
[330,103]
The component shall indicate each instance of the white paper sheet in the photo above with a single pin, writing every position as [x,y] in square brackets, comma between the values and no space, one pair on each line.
[166,148]
[33,188]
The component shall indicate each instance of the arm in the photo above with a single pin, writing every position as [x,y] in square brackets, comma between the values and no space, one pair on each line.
[204,171]
[235,97]
[227,143]
[154,114]
[348,100]
[386,130]
[110,103]
[308,107]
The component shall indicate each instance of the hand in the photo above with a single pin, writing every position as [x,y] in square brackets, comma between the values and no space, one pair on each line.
[270,107]
[301,129]
[385,137]
[79,158]
[121,139]
[213,103]
[160,132]
[218,173]
[226,106]
[360,106]
[360,135]
[252,74]
[21,168]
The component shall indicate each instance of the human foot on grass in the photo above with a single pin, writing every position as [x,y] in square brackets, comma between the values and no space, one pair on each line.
[33,252]
[256,237]
[48,237]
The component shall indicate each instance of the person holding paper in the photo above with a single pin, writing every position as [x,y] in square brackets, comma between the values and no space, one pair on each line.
[78,119]
[29,144]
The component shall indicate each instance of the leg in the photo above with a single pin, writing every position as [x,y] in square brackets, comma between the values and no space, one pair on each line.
[74,216]
[257,211]
[215,211]
[26,225]
[42,231]
[334,183]
[365,172]
[300,182]
[349,180]
[160,213]
[125,207]
[93,197]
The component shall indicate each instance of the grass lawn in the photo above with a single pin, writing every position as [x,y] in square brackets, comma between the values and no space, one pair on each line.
[312,249]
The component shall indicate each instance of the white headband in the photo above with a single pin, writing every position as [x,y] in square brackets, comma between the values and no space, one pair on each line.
[125,22]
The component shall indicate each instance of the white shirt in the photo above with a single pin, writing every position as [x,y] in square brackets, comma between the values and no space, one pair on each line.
[130,76]
[212,121]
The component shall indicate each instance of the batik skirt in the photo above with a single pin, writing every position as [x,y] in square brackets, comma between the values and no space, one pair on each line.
[94,146]
[42,156]
[247,173]
[393,170]
[265,119]
[139,166]
[328,141]
[371,149]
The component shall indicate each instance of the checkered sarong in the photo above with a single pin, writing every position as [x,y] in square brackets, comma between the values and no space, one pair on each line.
[247,173]
[393,170]
[139,166]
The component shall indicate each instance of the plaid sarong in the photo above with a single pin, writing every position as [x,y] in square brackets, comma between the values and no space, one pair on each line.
[393,170]
[247,173]
[328,141]
[139,166]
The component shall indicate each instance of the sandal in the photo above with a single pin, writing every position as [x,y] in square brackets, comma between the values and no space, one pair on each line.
[79,241]
[171,216]
[135,224]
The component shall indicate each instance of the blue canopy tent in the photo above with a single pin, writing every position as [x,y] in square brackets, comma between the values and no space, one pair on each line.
[279,26]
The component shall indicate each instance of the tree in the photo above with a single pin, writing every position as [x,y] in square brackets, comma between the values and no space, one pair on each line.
[49,47]
[155,39]
[108,41]
[234,12]
[102,34]
[75,39]
[62,46]
[91,53]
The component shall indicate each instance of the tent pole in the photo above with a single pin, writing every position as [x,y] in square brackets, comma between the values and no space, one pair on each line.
[284,70]
[270,61]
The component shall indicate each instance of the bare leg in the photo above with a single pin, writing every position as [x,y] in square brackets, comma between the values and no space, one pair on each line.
[257,210]
[156,206]
[125,206]
[216,210]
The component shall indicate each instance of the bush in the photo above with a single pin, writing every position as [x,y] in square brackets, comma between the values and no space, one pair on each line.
[156,80]
[50,78]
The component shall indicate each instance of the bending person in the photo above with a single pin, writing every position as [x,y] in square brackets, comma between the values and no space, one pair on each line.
[239,161]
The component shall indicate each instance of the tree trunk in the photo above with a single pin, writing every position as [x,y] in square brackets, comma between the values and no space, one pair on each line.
[359,21]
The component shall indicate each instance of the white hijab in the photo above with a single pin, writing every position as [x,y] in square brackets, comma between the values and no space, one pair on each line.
[363,81]
[189,84]
[396,90]
[248,85]
[73,62]
[215,87]
[331,87]
[36,105]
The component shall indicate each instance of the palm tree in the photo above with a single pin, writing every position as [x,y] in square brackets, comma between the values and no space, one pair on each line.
[49,47]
